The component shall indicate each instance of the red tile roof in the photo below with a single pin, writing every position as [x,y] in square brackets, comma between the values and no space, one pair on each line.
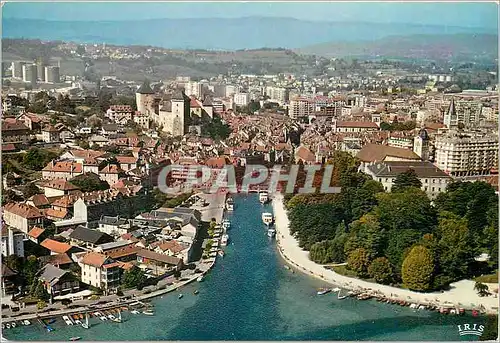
[94,259]
[23,210]
[36,232]
[60,184]
[55,246]
[64,166]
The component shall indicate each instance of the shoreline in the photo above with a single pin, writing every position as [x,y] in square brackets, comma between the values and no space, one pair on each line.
[462,294]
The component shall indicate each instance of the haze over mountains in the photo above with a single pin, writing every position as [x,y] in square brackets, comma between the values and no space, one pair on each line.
[327,38]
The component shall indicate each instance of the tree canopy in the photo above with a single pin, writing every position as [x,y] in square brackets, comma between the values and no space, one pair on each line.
[406,179]
[89,182]
[418,269]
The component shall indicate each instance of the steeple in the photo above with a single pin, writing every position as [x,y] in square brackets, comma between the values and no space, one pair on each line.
[451,109]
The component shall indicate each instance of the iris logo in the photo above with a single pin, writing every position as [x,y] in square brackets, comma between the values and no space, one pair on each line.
[470,329]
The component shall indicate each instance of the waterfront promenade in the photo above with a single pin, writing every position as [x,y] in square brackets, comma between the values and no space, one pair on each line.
[461,294]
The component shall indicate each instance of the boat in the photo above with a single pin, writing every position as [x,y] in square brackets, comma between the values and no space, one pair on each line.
[341,297]
[267,218]
[135,312]
[336,289]
[77,338]
[196,291]
[110,316]
[67,320]
[7,326]
[263,197]
[226,224]
[26,322]
[180,296]
[224,240]
[119,319]
[13,324]
[148,312]
[286,267]
[230,204]
[49,328]
[271,233]
[221,253]
[200,278]
[323,291]
[86,324]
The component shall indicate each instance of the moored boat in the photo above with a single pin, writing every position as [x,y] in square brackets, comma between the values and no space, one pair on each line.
[230,204]
[196,292]
[148,312]
[271,233]
[263,197]
[224,240]
[76,338]
[180,296]
[323,291]
[226,224]
[267,218]
[200,278]
[135,312]
[221,253]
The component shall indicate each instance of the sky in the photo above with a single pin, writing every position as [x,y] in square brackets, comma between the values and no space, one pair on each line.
[471,14]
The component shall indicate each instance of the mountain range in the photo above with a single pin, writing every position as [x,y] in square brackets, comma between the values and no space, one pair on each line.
[240,33]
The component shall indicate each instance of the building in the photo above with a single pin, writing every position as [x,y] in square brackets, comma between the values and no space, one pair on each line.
[466,154]
[56,247]
[17,69]
[29,73]
[277,94]
[52,74]
[62,170]
[12,242]
[383,153]
[241,99]
[8,280]
[400,142]
[188,219]
[89,238]
[300,107]
[116,112]
[172,114]
[193,88]
[15,132]
[58,281]
[145,99]
[58,187]
[22,216]
[354,126]
[159,263]
[101,271]
[466,113]
[114,226]
[50,134]
[421,144]
[433,179]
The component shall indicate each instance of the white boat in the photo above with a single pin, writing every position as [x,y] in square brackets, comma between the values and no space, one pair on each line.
[336,289]
[230,204]
[13,324]
[200,278]
[67,320]
[75,338]
[7,326]
[323,291]
[148,312]
[226,224]
[135,312]
[263,197]
[224,239]
[271,233]
[78,322]
[221,253]
[341,297]
[119,319]
[110,316]
[86,324]
[26,322]
[267,218]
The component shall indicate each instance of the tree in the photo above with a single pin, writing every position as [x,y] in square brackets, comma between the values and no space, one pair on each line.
[358,260]
[481,289]
[38,290]
[89,182]
[381,270]
[418,269]
[14,262]
[37,159]
[365,233]
[490,332]
[31,189]
[30,268]
[134,277]
[406,179]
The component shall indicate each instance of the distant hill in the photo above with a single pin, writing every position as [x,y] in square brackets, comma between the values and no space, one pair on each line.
[451,46]
[218,33]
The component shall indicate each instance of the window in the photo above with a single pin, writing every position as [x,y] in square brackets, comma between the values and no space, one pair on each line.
[433,189]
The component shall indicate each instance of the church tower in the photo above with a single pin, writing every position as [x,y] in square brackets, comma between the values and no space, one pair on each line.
[421,144]
[144,98]
[450,117]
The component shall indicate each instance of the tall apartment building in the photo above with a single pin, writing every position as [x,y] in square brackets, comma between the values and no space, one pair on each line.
[466,154]
[17,69]
[193,88]
[52,74]
[463,112]
[301,107]
[29,73]
[230,90]
[277,94]
[241,99]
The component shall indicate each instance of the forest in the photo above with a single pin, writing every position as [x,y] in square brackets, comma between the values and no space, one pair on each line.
[400,238]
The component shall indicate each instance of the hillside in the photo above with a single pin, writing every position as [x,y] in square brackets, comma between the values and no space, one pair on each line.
[448,47]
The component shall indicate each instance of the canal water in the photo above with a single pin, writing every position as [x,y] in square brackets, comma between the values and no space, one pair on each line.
[249,295]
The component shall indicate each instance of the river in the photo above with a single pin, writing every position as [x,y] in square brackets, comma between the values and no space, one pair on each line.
[249,295]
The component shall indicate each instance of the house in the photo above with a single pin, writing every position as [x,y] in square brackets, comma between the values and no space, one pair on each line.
[9,279]
[188,219]
[110,174]
[89,238]
[354,126]
[62,170]
[123,251]
[39,201]
[114,226]
[32,121]
[9,147]
[384,153]
[22,216]
[127,162]
[12,242]
[101,271]
[174,248]
[62,261]
[37,234]
[58,281]
[305,155]
[50,134]
[433,179]
[15,132]
[109,129]
[58,187]
[160,263]
[98,140]
[56,247]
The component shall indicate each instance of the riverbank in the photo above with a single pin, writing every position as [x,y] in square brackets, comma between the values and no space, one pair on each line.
[461,294]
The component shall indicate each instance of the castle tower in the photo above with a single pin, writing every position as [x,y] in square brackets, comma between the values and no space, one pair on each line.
[421,144]
[144,98]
